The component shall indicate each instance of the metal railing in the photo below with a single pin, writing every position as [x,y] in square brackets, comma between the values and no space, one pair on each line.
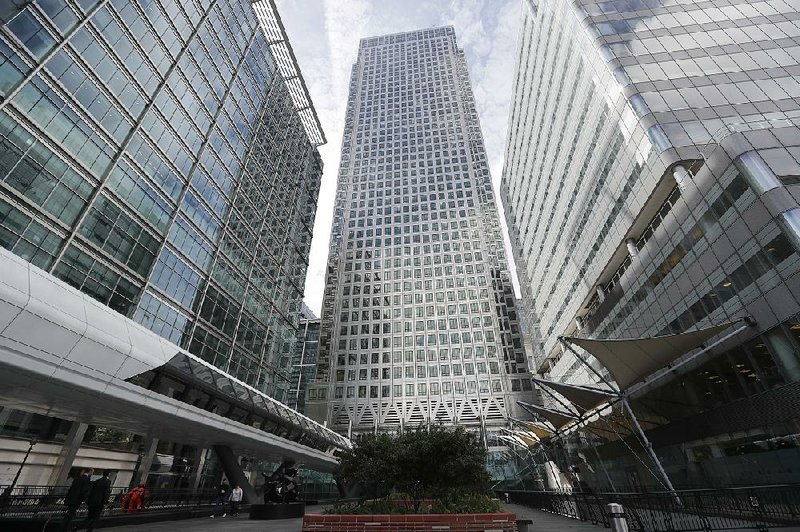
[48,501]
[760,508]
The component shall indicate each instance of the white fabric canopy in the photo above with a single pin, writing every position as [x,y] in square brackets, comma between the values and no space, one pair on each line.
[525,436]
[540,430]
[634,359]
[581,396]
[556,417]
[514,440]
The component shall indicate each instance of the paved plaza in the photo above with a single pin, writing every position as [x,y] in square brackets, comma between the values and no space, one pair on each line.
[542,522]
[207,524]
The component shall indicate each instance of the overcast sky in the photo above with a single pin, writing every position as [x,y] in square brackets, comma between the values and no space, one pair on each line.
[324,35]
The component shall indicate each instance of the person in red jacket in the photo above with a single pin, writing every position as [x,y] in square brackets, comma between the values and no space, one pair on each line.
[133,501]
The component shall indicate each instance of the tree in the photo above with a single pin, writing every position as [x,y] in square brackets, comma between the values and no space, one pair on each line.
[368,466]
[426,464]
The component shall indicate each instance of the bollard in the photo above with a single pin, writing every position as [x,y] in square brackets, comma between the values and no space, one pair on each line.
[616,516]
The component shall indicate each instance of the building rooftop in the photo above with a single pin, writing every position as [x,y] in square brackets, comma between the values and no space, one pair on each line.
[403,35]
[278,42]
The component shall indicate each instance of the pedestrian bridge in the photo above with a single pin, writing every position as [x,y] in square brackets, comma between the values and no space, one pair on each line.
[65,355]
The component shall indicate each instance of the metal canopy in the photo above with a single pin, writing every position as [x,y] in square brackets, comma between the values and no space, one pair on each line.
[581,396]
[635,359]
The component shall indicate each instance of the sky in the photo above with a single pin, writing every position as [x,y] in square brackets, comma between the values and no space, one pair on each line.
[324,35]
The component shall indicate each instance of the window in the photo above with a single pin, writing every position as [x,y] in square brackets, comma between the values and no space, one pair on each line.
[27,28]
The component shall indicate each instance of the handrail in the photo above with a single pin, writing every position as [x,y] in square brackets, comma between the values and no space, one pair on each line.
[760,508]
[47,501]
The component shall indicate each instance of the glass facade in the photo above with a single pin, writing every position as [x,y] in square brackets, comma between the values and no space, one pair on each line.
[151,156]
[304,361]
[419,322]
[650,186]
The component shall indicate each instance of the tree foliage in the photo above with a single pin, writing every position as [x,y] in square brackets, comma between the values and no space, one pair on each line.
[437,463]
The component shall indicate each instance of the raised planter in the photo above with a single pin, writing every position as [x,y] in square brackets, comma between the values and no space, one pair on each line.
[288,510]
[500,522]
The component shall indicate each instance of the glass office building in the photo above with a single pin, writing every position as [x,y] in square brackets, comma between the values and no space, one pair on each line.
[419,322]
[650,184]
[161,157]
[153,158]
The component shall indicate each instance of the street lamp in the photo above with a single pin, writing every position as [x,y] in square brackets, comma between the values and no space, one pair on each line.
[5,498]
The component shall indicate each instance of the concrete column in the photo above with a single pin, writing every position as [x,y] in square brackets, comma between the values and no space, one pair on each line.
[633,251]
[198,463]
[682,177]
[5,413]
[757,172]
[233,471]
[601,294]
[616,516]
[58,477]
[148,454]
[789,223]
[783,349]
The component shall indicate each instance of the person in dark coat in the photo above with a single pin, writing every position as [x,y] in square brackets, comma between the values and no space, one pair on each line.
[76,495]
[97,499]
[223,494]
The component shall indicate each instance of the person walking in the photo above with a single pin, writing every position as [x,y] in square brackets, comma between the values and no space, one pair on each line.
[236,499]
[76,495]
[97,499]
[221,499]
[223,494]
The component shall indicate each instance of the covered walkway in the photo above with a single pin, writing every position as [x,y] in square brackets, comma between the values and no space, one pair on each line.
[62,354]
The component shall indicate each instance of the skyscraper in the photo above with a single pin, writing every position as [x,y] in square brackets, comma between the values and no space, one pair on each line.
[419,322]
[161,157]
[650,189]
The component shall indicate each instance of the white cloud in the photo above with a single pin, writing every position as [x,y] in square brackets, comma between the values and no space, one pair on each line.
[325,36]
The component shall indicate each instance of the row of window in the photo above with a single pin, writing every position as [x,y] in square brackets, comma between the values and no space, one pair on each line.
[419,355]
[422,372]
[689,17]
[421,389]
[708,223]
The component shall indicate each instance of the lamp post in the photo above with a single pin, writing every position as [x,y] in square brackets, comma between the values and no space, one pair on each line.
[5,498]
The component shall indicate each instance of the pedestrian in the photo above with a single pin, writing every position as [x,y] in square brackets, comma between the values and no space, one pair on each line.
[76,495]
[236,499]
[133,501]
[97,499]
[223,493]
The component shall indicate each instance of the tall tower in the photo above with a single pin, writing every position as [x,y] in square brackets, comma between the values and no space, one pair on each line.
[419,321]
[650,186]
